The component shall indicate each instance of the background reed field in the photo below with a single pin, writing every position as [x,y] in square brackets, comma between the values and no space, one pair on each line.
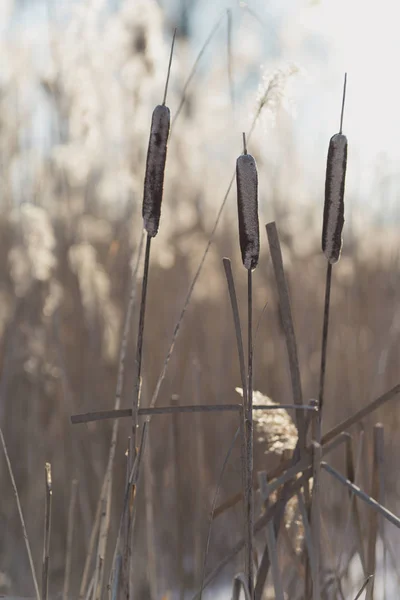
[76,101]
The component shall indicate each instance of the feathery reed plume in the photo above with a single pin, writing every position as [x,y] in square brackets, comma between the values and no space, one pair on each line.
[247,197]
[332,226]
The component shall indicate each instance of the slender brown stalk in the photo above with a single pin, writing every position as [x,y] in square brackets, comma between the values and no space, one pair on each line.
[239,584]
[288,326]
[364,585]
[316,518]
[152,575]
[325,338]
[249,440]
[47,530]
[70,537]
[21,516]
[102,519]
[191,408]
[217,489]
[243,414]
[376,506]
[236,322]
[352,472]
[377,466]
[177,462]
[271,539]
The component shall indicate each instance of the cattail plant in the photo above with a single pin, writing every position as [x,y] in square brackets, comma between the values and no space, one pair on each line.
[247,199]
[332,224]
[151,212]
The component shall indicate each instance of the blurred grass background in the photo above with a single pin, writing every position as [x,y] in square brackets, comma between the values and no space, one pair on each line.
[74,121]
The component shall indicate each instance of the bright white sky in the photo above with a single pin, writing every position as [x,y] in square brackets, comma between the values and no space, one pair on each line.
[325,38]
[360,37]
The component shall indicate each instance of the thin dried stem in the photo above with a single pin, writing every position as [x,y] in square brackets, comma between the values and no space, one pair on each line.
[249,513]
[343,103]
[47,531]
[217,489]
[70,537]
[366,582]
[21,516]
[271,539]
[377,466]
[288,326]
[316,518]
[169,67]
[191,408]
[239,584]
[367,499]
[325,338]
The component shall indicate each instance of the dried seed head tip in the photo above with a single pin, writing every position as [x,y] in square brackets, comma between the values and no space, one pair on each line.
[247,198]
[334,198]
[155,167]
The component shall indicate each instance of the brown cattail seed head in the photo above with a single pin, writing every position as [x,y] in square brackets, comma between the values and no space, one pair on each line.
[155,167]
[247,198]
[334,198]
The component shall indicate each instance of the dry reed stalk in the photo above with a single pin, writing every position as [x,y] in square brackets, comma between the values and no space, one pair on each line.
[121,567]
[237,325]
[239,584]
[201,470]
[389,516]
[332,226]
[92,542]
[152,576]
[218,486]
[271,539]
[103,511]
[352,472]
[316,518]
[364,585]
[47,530]
[273,511]
[378,452]
[242,416]
[281,475]
[70,537]
[21,516]
[249,237]
[121,413]
[288,326]
[176,449]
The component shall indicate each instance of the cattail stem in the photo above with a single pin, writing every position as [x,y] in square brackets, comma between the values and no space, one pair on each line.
[343,103]
[136,395]
[249,439]
[139,346]
[324,339]
[47,531]
[169,67]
